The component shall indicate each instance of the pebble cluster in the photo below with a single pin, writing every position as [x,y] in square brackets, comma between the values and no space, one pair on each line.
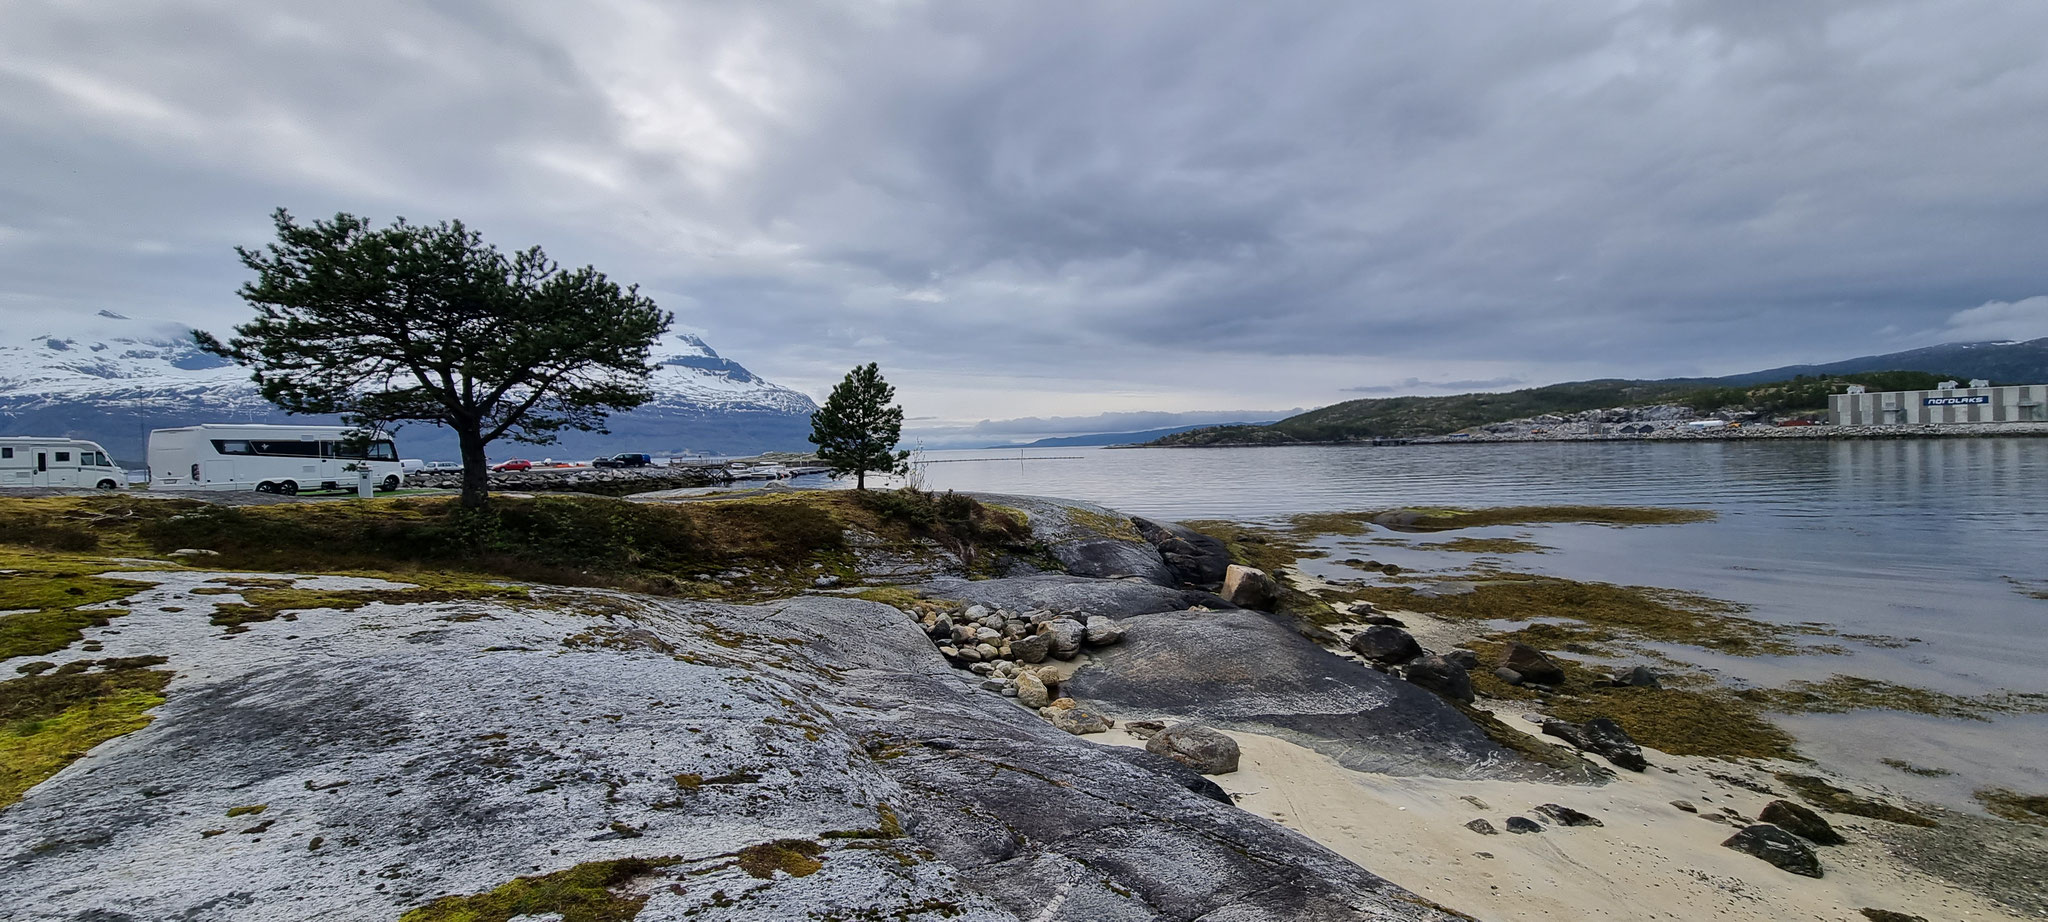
[1007,651]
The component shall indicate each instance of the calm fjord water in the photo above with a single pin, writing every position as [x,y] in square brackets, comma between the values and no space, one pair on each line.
[1942,540]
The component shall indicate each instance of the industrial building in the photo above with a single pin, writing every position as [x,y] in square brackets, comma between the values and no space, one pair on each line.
[1978,403]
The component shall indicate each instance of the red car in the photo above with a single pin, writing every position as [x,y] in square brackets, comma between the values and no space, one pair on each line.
[516,464]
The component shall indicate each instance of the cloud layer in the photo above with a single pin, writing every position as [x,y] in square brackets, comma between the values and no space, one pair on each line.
[1029,209]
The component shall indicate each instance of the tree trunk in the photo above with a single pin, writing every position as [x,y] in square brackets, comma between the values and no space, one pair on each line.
[860,479]
[476,475]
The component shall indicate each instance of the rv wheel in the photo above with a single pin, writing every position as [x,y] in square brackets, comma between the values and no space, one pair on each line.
[288,488]
[266,487]
[390,484]
[107,485]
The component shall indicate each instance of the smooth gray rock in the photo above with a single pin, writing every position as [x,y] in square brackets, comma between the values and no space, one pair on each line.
[1522,825]
[1189,779]
[1638,677]
[1385,645]
[1566,816]
[1103,631]
[1195,559]
[1482,827]
[1244,670]
[1203,749]
[1249,587]
[1532,665]
[1065,635]
[1079,721]
[1032,648]
[1601,736]
[1440,675]
[1800,822]
[1782,849]
[481,742]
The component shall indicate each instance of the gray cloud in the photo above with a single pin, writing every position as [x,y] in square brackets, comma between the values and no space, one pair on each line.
[1029,210]
[1413,385]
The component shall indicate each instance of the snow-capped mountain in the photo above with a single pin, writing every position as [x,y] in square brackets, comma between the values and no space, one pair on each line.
[113,379]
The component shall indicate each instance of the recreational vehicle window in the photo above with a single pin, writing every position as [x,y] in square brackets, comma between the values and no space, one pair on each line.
[63,457]
[6,452]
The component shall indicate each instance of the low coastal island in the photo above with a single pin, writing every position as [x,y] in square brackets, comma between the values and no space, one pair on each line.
[904,705]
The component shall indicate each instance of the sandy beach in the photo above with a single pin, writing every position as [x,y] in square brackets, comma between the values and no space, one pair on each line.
[1650,860]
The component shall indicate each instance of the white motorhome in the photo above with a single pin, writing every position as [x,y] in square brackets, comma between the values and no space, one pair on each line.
[269,459]
[31,461]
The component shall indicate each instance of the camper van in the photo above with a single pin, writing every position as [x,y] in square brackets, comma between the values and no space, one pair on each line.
[30,461]
[268,459]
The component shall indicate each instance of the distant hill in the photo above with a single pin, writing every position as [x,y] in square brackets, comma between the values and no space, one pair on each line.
[1119,438]
[2007,363]
[1789,390]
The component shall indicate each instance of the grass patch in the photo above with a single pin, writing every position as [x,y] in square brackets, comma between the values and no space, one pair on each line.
[1487,546]
[1448,518]
[1819,793]
[56,588]
[49,720]
[1843,693]
[2012,805]
[1600,613]
[579,894]
[660,548]
[1683,721]
[1114,527]
[795,857]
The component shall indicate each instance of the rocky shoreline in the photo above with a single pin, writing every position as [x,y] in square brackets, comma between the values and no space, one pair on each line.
[914,734]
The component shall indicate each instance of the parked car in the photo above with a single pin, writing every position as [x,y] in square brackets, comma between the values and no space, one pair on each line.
[516,464]
[439,466]
[624,459]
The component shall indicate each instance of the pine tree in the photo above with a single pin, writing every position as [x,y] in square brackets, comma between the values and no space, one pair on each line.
[857,429]
[429,323]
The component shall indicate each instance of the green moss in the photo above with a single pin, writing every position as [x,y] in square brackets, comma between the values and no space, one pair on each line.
[887,826]
[583,893]
[250,810]
[1683,722]
[1843,693]
[1108,525]
[795,857]
[50,720]
[55,588]
[2012,805]
[1826,796]
[1488,546]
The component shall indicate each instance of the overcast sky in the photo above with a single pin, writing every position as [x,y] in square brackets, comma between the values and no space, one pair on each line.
[1057,209]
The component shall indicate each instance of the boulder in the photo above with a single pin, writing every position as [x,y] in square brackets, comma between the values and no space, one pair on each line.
[1045,593]
[1032,649]
[1637,677]
[1143,729]
[1800,822]
[1385,645]
[941,627]
[1203,749]
[1111,558]
[1195,559]
[1603,737]
[1065,635]
[1566,816]
[1521,825]
[1886,915]
[1250,587]
[1102,631]
[1507,675]
[1482,827]
[1440,675]
[1782,849]
[1532,665]
[1079,721]
[1031,692]
[1466,659]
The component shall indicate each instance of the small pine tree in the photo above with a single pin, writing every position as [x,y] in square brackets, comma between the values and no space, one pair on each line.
[857,429]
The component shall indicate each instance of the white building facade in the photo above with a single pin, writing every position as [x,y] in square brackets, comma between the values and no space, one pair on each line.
[2020,403]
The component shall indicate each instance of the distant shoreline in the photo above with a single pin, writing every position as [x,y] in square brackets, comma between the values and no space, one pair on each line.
[1747,433]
